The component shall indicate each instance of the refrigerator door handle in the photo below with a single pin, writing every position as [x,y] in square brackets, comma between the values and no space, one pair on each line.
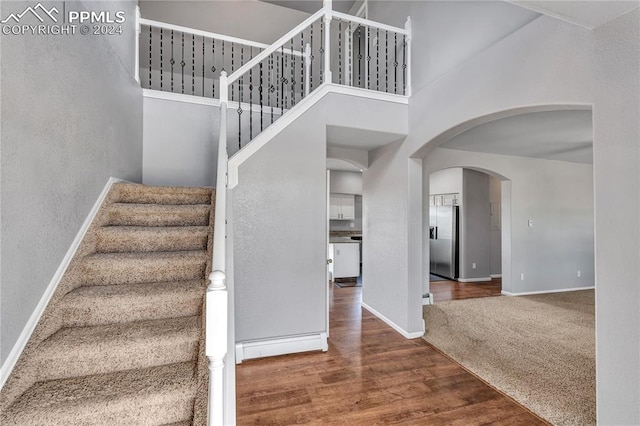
[436,232]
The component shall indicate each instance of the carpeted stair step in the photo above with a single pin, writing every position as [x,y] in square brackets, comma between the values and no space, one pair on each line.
[150,396]
[121,239]
[142,194]
[136,268]
[86,351]
[122,214]
[106,304]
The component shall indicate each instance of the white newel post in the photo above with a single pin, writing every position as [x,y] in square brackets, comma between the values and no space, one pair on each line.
[307,68]
[327,41]
[137,47]
[216,299]
[407,26]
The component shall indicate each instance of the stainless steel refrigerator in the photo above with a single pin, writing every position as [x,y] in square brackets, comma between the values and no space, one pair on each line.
[443,240]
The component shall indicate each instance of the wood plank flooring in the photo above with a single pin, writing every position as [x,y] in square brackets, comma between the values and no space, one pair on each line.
[371,375]
[453,290]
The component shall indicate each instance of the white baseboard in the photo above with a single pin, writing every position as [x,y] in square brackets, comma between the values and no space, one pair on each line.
[396,327]
[496,275]
[283,346]
[27,331]
[561,290]
[474,280]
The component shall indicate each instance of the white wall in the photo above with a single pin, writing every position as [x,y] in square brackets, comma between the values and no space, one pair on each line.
[346,182]
[180,143]
[546,63]
[71,118]
[249,19]
[279,214]
[447,181]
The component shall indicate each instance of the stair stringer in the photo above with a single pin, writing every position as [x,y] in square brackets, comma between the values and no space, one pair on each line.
[278,210]
[380,107]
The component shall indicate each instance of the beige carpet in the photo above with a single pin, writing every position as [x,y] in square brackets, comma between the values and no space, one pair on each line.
[539,349]
[121,342]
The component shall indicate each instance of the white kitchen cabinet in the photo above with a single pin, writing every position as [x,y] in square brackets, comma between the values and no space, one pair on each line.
[342,207]
[345,260]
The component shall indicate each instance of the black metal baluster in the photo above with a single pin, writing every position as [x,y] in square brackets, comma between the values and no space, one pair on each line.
[283,80]
[359,55]
[339,51]
[202,65]
[150,45]
[172,61]
[193,64]
[240,82]
[213,68]
[223,63]
[232,67]
[321,50]
[251,98]
[302,63]
[386,61]
[260,91]
[293,70]
[350,82]
[182,63]
[271,86]
[277,83]
[377,58]
[368,52]
[160,58]
[395,62]
[404,64]
[311,62]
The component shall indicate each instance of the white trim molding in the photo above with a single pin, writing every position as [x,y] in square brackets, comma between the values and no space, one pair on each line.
[30,326]
[396,327]
[281,346]
[496,276]
[531,293]
[474,280]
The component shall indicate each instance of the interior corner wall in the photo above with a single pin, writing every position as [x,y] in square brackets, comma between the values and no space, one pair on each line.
[495,200]
[71,117]
[474,226]
[616,131]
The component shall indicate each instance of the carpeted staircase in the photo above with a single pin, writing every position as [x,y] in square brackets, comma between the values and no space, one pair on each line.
[121,341]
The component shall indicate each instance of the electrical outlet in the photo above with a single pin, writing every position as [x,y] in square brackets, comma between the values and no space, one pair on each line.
[579,274]
[473,265]
[522,276]
[352,225]
[530,223]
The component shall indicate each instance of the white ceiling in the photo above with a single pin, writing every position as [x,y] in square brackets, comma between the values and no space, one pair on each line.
[312,6]
[588,14]
[553,135]
[342,165]
[348,137]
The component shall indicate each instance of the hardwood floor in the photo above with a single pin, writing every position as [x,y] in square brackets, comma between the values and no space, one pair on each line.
[371,375]
[453,290]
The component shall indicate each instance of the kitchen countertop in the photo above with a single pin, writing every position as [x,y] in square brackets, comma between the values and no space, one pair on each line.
[339,240]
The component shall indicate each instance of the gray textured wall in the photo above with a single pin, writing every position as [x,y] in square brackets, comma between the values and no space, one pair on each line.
[474,225]
[180,143]
[71,118]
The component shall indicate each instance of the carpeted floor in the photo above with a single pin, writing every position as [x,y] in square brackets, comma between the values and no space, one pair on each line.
[540,349]
[121,341]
